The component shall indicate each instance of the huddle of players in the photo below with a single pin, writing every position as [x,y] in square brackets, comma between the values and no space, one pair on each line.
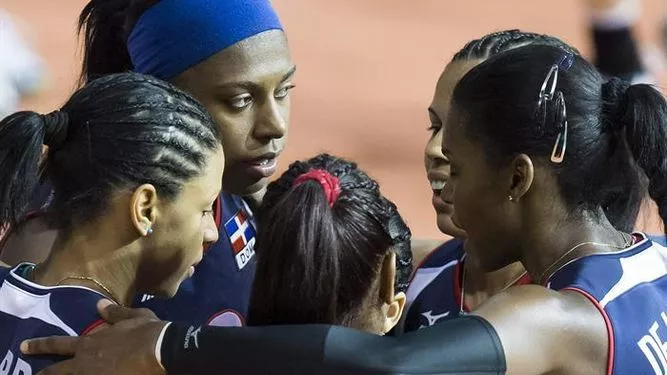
[135,167]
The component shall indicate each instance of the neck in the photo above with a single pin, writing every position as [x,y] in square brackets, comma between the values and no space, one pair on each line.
[544,249]
[80,259]
[480,286]
[255,199]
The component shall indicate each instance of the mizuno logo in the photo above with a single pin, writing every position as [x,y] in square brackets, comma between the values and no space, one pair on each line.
[432,319]
[192,334]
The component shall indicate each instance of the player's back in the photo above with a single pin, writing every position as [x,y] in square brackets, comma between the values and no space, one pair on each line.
[629,287]
[28,310]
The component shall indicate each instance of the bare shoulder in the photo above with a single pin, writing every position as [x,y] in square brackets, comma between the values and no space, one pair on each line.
[421,248]
[545,331]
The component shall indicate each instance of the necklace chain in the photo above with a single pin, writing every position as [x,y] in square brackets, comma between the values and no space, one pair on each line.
[106,290]
[627,242]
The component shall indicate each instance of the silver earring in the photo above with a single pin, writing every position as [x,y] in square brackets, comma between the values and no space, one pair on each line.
[511,198]
[149,231]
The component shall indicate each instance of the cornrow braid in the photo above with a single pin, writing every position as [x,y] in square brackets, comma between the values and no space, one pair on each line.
[329,256]
[501,41]
[122,130]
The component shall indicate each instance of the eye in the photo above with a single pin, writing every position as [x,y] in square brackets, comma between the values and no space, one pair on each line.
[434,127]
[209,211]
[240,101]
[282,92]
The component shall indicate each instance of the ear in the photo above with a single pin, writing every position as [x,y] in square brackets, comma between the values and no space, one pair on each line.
[522,175]
[143,208]
[393,304]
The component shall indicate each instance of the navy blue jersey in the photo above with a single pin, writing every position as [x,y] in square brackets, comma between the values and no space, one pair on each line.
[219,291]
[629,287]
[434,294]
[28,310]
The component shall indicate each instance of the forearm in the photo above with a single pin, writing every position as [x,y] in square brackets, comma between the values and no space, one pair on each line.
[462,346]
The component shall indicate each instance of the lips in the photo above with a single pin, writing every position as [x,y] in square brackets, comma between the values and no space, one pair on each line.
[438,180]
[261,167]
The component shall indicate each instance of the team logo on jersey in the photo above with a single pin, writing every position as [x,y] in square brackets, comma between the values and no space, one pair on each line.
[146,297]
[242,237]
[432,319]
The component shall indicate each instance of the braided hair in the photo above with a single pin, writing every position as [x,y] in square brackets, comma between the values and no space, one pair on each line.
[501,41]
[117,132]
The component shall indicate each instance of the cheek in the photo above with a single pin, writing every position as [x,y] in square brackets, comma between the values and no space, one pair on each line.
[186,236]
[286,106]
[468,203]
[234,130]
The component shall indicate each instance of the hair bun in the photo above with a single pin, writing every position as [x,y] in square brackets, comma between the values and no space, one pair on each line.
[56,126]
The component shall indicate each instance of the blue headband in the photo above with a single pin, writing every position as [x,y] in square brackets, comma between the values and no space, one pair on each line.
[174,35]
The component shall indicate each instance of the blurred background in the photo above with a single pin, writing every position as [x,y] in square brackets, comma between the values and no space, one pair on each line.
[366,71]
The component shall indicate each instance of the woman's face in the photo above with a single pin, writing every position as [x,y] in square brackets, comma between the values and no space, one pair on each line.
[437,165]
[183,226]
[246,89]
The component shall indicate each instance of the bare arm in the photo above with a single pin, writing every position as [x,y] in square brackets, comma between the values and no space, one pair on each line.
[548,332]
[525,330]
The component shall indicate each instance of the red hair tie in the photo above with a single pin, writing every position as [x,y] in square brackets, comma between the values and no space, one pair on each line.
[329,183]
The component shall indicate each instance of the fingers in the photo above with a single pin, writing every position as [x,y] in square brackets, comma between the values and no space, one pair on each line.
[113,313]
[60,368]
[57,345]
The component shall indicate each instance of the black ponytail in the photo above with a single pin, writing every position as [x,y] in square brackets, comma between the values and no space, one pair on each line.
[28,130]
[105,26]
[614,130]
[318,263]
[642,111]
[115,133]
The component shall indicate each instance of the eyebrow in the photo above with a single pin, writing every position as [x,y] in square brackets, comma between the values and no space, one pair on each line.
[249,85]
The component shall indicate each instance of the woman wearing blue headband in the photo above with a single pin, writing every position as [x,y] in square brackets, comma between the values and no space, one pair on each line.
[233,57]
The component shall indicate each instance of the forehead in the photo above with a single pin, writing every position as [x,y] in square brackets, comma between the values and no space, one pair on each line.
[444,89]
[265,55]
[209,183]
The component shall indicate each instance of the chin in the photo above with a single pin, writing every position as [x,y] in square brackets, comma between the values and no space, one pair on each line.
[243,187]
[446,226]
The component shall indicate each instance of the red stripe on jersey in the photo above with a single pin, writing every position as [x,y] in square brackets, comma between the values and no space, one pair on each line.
[92,327]
[607,322]
[241,217]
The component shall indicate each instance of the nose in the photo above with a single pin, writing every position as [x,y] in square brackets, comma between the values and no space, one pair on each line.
[271,122]
[210,231]
[433,150]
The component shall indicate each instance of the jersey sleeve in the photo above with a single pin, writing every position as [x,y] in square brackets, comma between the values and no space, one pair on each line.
[468,345]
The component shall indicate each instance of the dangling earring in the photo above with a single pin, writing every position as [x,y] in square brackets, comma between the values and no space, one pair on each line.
[149,231]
